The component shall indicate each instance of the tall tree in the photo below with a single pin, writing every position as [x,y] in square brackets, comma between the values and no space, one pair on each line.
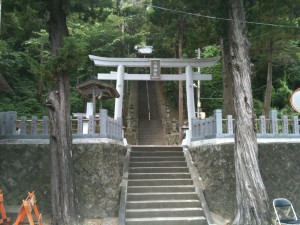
[227,80]
[58,102]
[252,198]
[180,54]
[270,42]
[171,22]
[268,92]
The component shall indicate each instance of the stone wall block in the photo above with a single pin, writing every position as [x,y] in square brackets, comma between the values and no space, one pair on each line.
[98,174]
[279,164]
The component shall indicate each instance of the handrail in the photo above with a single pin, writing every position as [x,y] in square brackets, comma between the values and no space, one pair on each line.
[148,100]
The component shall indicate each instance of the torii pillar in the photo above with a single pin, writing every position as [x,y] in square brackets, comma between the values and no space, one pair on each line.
[190,95]
[120,89]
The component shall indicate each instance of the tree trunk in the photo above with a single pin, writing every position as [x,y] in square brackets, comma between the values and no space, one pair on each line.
[252,198]
[62,171]
[227,80]
[180,87]
[41,80]
[268,93]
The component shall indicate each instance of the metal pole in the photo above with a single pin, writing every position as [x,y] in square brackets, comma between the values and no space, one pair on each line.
[198,88]
[148,100]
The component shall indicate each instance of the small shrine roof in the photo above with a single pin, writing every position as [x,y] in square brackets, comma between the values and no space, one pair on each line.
[99,88]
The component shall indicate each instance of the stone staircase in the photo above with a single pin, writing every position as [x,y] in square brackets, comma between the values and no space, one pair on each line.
[151,133]
[160,189]
[150,127]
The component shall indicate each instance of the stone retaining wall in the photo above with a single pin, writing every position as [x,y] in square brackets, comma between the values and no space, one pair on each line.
[98,174]
[279,165]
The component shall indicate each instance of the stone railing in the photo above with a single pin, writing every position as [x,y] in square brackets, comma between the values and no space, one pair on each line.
[93,127]
[216,127]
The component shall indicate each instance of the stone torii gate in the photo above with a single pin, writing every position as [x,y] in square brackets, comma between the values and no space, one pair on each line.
[155,65]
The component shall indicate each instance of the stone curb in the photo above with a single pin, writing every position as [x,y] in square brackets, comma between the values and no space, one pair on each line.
[123,185]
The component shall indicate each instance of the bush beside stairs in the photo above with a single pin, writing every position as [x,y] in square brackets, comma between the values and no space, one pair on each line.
[160,190]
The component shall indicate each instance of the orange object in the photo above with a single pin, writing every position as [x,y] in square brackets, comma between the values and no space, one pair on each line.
[4,220]
[28,205]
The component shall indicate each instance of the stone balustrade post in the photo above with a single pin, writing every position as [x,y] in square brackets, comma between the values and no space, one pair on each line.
[295,125]
[45,125]
[218,122]
[202,129]
[103,123]
[262,125]
[10,123]
[229,124]
[23,125]
[91,125]
[198,129]
[205,127]
[274,121]
[285,125]
[2,123]
[109,127]
[120,130]
[112,128]
[34,121]
[113,122]
[80,124]
[194,128]
[115,130]
[210,126]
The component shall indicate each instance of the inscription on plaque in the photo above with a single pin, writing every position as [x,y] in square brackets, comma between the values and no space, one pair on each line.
[155,69]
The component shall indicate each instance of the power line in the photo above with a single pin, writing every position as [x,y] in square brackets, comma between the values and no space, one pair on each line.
[222,18]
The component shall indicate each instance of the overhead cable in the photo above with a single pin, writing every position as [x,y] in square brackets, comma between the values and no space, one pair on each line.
[222,18]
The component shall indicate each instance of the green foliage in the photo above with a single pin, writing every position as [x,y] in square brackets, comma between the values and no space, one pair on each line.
[112,28]
[77,101]
[211,51]
[69,57]
[212,91]
[23,99]
[171,93]
[281,95]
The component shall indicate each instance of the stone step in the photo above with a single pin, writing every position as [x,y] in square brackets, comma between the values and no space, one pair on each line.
[166,212]
[158,170]
[154,134]
[156,153]
[159,148]
[151,130]
[157,159]
[162,196]
[199,220]
[158,164]
[174,188]
[151,134]
[162,204]
[159,175]
[152,141]
[158,182]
